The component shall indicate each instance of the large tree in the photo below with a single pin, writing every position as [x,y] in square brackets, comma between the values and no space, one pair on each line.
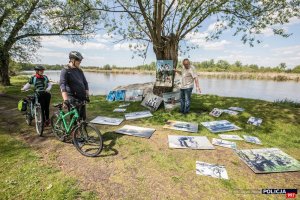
[24,22]
[165,23]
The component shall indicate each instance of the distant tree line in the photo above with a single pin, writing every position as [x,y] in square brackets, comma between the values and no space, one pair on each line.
[207,66]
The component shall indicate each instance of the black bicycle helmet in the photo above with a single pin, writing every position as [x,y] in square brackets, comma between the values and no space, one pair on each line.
[75,55]
[39,67]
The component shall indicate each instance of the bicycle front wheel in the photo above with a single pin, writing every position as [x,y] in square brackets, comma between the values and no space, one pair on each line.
[58,127]
[87,139]
[39,124]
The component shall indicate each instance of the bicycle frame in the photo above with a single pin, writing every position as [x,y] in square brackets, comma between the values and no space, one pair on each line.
[63,116]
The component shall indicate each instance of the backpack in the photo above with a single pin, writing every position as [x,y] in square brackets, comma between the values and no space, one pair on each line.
[22,105]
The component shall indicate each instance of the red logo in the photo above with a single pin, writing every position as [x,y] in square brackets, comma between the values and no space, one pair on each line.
[290,195]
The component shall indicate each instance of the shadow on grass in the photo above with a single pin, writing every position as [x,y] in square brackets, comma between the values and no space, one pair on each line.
[110,138]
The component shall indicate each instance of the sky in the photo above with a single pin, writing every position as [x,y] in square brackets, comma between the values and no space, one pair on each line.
[102,50]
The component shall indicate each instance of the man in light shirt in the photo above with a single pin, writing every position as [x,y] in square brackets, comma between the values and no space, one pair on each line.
[189,76]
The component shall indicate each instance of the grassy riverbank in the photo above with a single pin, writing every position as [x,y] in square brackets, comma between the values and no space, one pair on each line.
[135,168]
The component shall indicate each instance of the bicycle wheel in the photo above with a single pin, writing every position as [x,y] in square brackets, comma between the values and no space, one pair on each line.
[58,127]
[87,139]
[39,124]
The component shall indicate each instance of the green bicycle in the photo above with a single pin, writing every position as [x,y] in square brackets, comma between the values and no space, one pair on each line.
[85,137]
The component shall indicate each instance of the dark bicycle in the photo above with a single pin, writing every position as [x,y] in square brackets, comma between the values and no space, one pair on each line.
[34,111]
[85,137]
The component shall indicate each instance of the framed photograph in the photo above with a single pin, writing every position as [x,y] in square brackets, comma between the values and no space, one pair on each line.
[220,126]
[119,110]
[137,115]
[171,100]
[107,120]
[111,96]
[152,102]
[182,126]
[224,143]
[136,131]
[134,95]
[120,95]
[237,109]
[268,160]
[191,142]
[216,112]
[230,112]
[252,139]
[230,137]
[164,73]
[254,121]
[212,170]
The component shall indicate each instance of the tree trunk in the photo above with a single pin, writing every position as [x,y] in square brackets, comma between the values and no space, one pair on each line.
[167,50]
[4,63]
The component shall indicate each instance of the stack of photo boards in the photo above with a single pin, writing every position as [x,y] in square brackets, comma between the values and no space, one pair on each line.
[264,160]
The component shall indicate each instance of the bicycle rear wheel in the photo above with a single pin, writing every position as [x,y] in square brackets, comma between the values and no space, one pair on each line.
[28,118]
[58,127]
[87,139]
[39,124]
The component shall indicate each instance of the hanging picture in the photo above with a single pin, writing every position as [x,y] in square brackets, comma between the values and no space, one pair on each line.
[268,160]
[120,95]
[252,139]
[111,96]
[134,95]
[151,101]
[254,121]
[212,170]
[107,120]
[220,126]
[216,112]
[137,115]
[171,100]
[182,126]
[230,137]
[224,143]
[164,73]
[192,142]
[136,131]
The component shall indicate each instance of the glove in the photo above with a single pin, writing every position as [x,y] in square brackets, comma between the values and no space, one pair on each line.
[87,99]
[48,90]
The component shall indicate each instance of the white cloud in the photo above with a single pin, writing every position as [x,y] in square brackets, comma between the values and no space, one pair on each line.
[127,46]
[294,20]
[216,26]
[200,40]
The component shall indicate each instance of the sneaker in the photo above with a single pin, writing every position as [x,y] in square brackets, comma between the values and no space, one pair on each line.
[47,123]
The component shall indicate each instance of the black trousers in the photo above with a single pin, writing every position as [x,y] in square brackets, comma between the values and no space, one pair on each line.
[44,99]
[81,109]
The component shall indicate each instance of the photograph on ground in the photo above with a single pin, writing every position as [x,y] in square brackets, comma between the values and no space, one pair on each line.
[252,139]
[254,121]
[192,142]
[212,170]
[268,160]
[134,95]
[171,100]
[152,102]
[164,73]
[136,131]
[216,112]
[237,109]
[224,143]
[230,112]
[230,137]
[137,115]
[111,96]
[120,95]
[107,120]
[119,110]
[220,126]
[124,105]
[181,126]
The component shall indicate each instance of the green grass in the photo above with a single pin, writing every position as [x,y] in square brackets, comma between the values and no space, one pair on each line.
[135,167]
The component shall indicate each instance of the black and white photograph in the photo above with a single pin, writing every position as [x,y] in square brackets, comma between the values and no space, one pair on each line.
[182,126]
[255,121]
[152,102]
[171,100]
[136,131]
[107,120]
[119,110]
[220,126]
[268,160]
[237,109]
[137,115]
[230,137]
[134,95]
[224,143]
[191,142]
[212,170]
[216,112]
[252,139]
[230,112]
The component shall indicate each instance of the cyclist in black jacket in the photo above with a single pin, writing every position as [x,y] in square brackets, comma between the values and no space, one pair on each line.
[73,84]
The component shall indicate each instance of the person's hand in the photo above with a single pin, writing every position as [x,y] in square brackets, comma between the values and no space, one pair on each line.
[66,104]
[47,90]
[87,99]
[198,90]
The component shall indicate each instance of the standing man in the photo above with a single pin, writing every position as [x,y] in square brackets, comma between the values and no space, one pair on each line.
[73,85]
[189,76]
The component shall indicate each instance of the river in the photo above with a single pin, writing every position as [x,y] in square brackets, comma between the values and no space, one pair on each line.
[102,83]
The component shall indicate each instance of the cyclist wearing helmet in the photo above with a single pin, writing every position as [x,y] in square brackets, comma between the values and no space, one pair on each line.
[73,84]
[42,86]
